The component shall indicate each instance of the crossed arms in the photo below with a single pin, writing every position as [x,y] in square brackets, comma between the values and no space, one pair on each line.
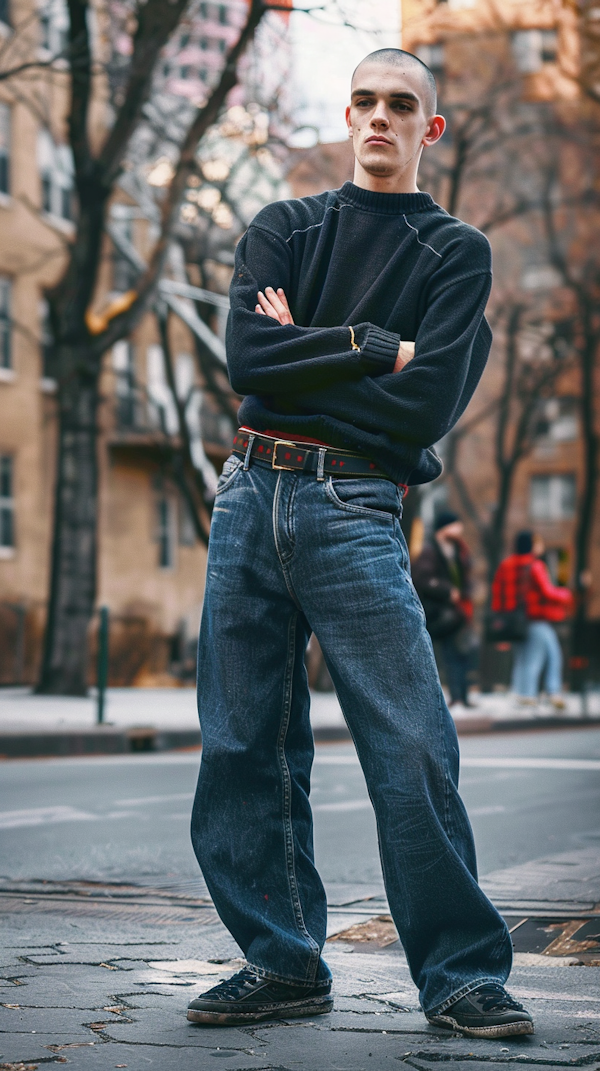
[349,374]
[274,303]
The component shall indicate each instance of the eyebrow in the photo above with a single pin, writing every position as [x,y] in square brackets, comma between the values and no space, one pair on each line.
[405,95]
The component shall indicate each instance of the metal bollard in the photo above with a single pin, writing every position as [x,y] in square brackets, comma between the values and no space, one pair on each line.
[102,666]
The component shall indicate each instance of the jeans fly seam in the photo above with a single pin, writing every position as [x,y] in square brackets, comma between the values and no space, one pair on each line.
[280,555]
[287,805]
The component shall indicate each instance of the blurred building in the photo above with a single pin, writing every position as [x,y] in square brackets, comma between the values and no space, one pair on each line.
[528,54]
[151,565]
[540,43]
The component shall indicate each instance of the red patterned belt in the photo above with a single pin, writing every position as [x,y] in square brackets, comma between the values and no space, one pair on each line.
[288,455]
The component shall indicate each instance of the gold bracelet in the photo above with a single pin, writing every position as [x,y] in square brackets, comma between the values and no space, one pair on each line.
[352,341]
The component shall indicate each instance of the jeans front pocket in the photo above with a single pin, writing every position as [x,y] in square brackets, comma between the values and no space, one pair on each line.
[367,496]
[230,470]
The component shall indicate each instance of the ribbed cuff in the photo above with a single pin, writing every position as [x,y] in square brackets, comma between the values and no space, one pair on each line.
[379,350]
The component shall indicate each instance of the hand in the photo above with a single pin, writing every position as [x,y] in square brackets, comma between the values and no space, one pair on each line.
[406,352]
[274,305]
[586,579]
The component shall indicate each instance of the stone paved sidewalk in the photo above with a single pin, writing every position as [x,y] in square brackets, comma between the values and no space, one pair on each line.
[102,993]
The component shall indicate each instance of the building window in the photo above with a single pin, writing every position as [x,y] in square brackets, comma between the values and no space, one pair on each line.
[127,395]
[557,420]
[4,148]
[167,530]
[5,324]
[125,274]
[7,502]
[222,14]
[47,348]
[5,12]
[187,528]
[54,27]
[552,498]
[432,56]
[56,177]
[533,48]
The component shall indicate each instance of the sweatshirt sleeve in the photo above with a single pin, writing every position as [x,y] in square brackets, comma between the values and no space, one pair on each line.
[541,579]
[420,404]
[264,356]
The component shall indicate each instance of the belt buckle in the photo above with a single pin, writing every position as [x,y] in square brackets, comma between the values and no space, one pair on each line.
[274,465]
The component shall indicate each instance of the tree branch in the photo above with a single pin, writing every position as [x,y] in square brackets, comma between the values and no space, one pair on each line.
[156,21]
[186,166]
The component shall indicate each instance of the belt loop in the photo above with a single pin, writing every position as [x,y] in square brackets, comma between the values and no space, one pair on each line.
[251,439]
[321,463]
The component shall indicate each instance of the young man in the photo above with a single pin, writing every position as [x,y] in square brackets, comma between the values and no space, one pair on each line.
[306,537]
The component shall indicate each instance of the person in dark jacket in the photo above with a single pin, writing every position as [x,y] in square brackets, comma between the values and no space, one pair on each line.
[442,577]
[326,294]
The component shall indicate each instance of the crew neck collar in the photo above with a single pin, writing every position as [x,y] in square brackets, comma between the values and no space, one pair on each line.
[388,204]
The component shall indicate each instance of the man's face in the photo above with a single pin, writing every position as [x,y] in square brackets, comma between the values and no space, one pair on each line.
[388,119]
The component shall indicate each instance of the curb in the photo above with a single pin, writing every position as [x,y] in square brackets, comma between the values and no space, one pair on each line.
[107,740]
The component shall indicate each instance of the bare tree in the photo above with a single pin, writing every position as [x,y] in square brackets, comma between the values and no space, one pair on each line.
[572,240]
[81,338]
[534,359]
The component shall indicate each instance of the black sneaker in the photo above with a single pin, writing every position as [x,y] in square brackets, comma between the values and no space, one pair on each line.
[248,998]
[486,1012]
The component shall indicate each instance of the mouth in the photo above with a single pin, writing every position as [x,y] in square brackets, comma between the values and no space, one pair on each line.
[377,140]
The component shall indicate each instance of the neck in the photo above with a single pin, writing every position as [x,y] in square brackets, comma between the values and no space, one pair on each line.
[405,182]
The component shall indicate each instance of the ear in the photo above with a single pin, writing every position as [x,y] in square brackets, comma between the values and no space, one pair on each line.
[348,123]
[435,129]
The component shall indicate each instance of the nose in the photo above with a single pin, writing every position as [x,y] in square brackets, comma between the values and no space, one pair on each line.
[379,118]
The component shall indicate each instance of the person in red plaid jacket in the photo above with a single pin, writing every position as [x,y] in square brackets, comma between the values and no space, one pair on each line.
[524,578]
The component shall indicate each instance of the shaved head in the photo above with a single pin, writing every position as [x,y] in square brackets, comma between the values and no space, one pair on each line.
[396,57]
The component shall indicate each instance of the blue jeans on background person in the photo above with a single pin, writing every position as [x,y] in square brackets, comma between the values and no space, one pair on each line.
[539,651]
[458,663]
[290,554]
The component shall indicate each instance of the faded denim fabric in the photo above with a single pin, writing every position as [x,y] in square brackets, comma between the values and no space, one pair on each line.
[289,554]
[538,656]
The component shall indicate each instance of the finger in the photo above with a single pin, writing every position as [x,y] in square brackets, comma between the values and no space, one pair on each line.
[284,301]
[282,310]
[282,298]
[259,308]
[267,307]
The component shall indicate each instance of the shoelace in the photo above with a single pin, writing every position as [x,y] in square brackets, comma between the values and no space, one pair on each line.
[493,997]
[238,982]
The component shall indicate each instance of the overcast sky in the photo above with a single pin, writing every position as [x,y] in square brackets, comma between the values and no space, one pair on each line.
[325,52]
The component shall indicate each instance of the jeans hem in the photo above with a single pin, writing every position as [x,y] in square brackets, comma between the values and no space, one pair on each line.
[438,1009]
[272,977]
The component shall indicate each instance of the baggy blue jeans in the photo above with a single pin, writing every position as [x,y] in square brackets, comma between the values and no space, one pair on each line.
[289,554]
[539,652]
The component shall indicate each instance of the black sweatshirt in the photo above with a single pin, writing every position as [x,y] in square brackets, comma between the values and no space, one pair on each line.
[390,266]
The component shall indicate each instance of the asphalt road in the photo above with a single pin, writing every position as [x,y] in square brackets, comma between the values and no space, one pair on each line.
[127,819]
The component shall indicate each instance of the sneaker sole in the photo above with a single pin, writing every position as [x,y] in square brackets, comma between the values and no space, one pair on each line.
[500,1030]
[292,1010]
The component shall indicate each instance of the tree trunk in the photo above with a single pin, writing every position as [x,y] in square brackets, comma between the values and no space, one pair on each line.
[73,565]
[590,468]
